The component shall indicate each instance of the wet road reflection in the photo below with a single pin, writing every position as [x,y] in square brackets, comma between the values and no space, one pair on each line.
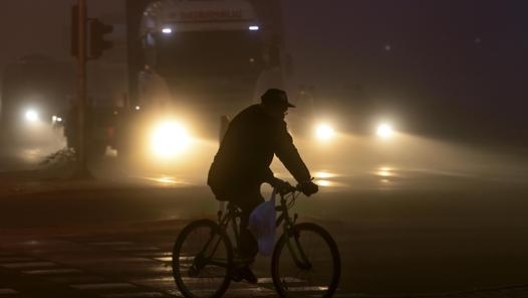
[29,148]
[348,163]
[411,216]
[342,179]
[163,180]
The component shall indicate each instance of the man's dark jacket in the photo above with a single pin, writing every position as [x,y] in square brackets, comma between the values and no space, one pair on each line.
[247,150]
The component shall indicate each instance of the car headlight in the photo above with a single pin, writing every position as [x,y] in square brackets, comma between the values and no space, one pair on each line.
[32,116]
[55,119]
[168,139]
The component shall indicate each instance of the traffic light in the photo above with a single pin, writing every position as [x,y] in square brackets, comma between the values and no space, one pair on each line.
[98,43]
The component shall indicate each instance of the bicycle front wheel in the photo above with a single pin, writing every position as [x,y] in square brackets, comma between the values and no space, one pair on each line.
[306,263]
[201,260]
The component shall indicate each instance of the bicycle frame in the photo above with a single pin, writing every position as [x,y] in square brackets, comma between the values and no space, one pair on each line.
[221,238]
[229,219]
[224,219]
[200,260]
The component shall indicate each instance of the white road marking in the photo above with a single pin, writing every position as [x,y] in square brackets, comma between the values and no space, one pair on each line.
[112,243]
[137,248]
[103,286]
[153,254]
[53,271]
[15,259]
[7,291]
[28,265]
[132,295]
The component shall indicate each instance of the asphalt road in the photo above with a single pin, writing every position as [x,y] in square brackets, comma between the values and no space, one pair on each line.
[414,216]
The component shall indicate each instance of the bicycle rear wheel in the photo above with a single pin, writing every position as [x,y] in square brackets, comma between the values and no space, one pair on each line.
[202,258]
[306,263]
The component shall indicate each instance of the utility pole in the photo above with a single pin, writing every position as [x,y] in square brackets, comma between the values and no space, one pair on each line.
[82,171]
[79,49]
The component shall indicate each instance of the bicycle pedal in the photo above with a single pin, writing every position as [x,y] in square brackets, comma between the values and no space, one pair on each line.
[243,273]
[193,271]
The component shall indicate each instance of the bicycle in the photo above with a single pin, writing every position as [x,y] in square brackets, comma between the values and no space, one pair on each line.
[205,268]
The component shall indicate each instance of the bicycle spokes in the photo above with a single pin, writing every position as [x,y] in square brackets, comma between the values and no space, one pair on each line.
[298,254]
[306,263]
[202,258]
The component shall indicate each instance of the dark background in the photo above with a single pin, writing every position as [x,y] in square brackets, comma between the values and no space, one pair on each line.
[450,68]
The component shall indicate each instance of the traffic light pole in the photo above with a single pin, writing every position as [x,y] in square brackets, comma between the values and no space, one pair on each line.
[81,171]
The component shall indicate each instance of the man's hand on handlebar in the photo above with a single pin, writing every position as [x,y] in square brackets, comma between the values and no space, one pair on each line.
[282,186]
[308,188]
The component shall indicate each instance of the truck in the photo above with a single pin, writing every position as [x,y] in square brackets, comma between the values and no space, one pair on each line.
[192,62]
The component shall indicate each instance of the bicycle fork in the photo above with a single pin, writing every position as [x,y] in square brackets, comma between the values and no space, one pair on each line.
[295,247]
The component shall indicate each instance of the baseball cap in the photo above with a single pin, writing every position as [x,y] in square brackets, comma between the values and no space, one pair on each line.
[276,97]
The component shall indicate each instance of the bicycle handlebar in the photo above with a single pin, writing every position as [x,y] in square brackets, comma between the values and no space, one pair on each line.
[287,188]
[308,188]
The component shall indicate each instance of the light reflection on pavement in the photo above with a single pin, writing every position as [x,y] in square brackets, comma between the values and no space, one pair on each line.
[349,164]
[421,216]
[30,149]
[163,180]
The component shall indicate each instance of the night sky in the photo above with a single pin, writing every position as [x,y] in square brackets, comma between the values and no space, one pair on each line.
[454,64]
[448,65]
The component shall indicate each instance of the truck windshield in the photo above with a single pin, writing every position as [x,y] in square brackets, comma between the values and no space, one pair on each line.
[208,53]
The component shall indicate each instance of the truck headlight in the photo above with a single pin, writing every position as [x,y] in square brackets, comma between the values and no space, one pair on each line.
[385,131]
[32,116]
[324,132]
[169,139]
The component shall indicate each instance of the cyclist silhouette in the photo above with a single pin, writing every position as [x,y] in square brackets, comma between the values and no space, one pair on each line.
[242,163]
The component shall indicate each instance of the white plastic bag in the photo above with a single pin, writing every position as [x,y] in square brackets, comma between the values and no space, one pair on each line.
[262,225]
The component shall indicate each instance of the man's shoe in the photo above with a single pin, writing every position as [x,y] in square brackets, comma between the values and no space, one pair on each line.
[235,275]
[246,274]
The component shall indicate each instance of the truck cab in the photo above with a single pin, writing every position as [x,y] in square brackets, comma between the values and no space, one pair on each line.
[192,62]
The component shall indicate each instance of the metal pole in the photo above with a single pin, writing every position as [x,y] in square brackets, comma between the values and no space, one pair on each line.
[82,169]
[224,124]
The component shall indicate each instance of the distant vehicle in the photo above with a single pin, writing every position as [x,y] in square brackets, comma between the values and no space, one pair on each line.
[34,90]
[190,62]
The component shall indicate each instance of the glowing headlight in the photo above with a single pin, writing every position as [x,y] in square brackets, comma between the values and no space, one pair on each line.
[55,119]
[324,132]
[385,131]
[169,139]
[32,116]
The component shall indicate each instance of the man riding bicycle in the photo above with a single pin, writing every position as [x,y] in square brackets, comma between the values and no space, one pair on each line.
[242,163]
